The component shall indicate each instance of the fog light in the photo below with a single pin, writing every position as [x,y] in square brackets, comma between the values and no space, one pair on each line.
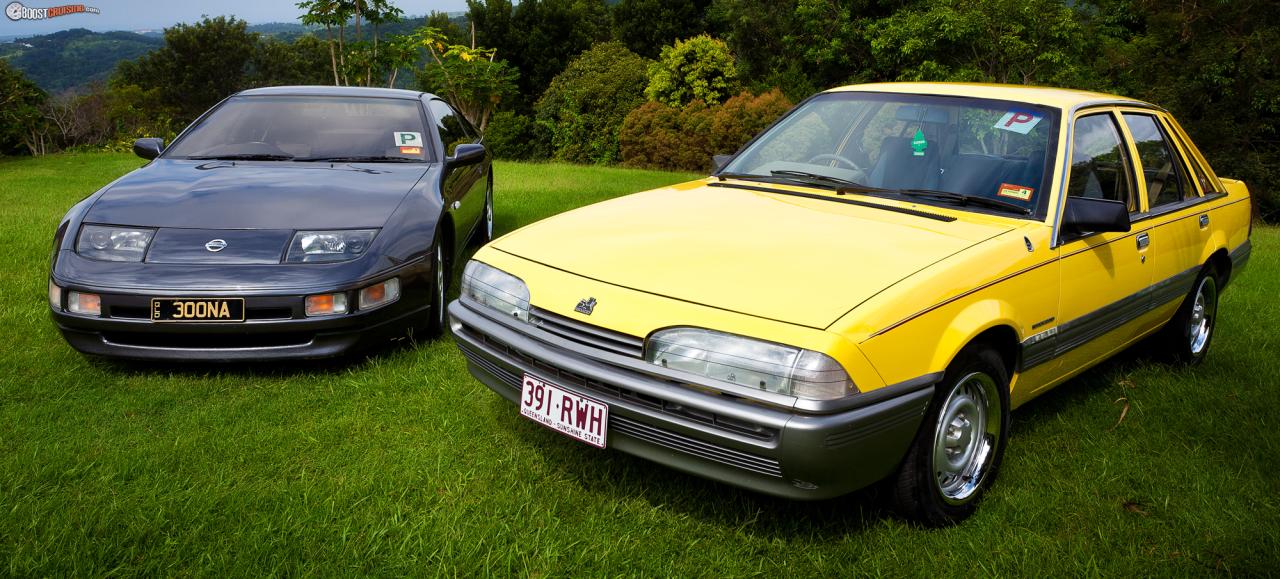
[326,304]
[381,294]
[85,304]
[55,296]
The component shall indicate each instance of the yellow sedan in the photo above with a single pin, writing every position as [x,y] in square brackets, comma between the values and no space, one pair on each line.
[864,291]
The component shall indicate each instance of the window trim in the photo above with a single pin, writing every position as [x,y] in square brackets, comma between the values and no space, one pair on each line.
[1117,124]
[1175,154]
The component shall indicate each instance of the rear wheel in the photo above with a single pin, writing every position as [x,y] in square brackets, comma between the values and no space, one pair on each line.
[1187,336]
[958,449]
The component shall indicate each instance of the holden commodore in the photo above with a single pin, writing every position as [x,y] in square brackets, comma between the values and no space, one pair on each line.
[286,222]
[864,291]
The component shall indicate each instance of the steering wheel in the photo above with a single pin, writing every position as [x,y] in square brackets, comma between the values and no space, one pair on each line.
[836,158]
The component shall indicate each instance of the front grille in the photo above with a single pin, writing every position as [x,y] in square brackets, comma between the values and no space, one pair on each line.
[208,341]
[698,448]
[641,431]
[587,334]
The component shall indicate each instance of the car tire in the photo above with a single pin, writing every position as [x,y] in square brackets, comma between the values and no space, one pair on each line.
[484,231]
[1186,338]
[960,444]
[439,285]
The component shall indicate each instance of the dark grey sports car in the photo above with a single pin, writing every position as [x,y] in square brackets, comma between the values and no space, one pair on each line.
[287,222]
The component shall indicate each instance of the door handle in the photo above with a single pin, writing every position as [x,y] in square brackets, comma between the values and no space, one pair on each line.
[1204,221]
[1144,240]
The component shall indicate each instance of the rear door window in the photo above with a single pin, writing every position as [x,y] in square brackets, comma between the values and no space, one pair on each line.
[1161,168]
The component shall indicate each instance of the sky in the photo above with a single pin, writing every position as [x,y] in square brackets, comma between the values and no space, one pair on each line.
[158,14]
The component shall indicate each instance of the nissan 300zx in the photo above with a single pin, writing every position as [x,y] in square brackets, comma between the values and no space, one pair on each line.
[286,222]
[864,291]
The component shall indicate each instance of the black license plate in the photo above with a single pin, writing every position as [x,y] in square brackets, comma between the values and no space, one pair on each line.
[197,309]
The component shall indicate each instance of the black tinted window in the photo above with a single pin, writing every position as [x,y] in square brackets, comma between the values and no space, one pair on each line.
[1099,164]
[308,127]
[452,126]
[1159,164]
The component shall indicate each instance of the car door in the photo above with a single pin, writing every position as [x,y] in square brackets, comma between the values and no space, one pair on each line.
[1105,276]
[463,187]
[1179,228]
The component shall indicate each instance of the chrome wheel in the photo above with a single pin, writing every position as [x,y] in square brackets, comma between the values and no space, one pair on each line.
[967,433]
[1203,312]
[488,215]
[439,302]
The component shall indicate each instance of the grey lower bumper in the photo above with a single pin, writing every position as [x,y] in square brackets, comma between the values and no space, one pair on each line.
[772,450]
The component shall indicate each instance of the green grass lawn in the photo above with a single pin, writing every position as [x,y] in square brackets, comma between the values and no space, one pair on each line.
[400,464]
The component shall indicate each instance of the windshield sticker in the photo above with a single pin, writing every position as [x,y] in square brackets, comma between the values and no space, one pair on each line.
[1020,122]
[1015,192]
[408,139]
[918,144]
[410,150]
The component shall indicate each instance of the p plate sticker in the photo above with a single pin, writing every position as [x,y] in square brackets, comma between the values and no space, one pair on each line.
[1020,122]
[408,139]
[410,150]
[1015,192]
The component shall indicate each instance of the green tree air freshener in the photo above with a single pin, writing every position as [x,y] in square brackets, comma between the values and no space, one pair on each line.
[918,144]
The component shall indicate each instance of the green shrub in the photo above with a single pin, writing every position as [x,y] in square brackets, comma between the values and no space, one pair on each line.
[700,68]
[661,136]
[587,102]
[517,137]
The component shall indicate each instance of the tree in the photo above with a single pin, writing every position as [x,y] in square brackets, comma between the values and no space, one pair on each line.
[699,68]
[199,65]
[275,62]
[469,78]
[589,100]
[22,123]
[645,26]
[358,60]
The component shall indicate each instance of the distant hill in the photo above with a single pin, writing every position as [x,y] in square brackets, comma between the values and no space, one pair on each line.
[76,57]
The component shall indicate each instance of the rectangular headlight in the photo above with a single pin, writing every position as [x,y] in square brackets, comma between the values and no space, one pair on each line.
[497,289]
[111,243]
[329,246]
[751,363]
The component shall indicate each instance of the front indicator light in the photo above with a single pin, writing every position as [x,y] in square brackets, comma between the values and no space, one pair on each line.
[751,363]
[326,304]
[55,296]
[84,304]
[381,294]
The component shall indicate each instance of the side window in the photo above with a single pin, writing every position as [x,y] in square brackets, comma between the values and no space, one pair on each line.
[1206,184]
[450,124]
[1159,164]
[1099,163]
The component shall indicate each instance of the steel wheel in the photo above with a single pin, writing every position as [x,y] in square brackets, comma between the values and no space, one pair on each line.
[1204,311]
[965,437]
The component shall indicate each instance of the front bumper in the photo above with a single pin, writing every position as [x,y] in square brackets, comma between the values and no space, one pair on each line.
[275,326]
[769,449]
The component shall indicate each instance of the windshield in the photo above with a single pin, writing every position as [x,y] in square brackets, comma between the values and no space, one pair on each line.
[980,154]
[308,128]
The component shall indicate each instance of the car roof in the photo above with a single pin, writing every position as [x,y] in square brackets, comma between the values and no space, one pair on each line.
[1063,98]
[347,91]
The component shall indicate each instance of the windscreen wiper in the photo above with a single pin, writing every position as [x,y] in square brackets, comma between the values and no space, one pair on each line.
[814,178]
[962,199]
[241,157]
[361,159]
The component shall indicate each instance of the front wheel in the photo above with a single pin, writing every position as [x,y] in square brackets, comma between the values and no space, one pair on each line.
[439,277]
[958,449]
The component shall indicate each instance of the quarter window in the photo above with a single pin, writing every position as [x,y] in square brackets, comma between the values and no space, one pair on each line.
[1099,163]
[1159,164]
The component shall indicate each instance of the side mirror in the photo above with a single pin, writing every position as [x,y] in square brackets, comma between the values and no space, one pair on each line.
[1088,215]
[467,154]
[148,148]
[719,161]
